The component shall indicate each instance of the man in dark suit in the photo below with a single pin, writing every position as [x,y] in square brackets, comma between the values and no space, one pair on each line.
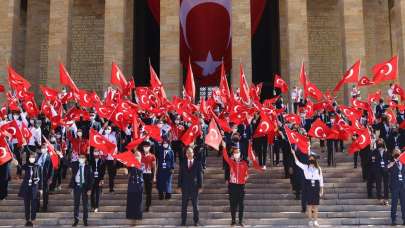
[397,186]
[46,173]
[190,184]
[81,182]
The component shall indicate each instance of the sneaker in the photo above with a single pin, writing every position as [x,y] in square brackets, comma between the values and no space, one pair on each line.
[95,210]
[316,224]
[264,167]
[310,223]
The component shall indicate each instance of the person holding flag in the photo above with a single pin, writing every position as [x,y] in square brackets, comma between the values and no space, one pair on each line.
[397,185]
[135,185]
[313,186]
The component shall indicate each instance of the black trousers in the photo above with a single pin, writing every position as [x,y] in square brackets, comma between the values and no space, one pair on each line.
[397,194]
[17,154]
[148,182]
[177,150]
[331,147]
[80,193]
[56,179]
[95,194]
[45,196]
[30,207]
[379,177]
[112,171]
[261,150]
[236,200]
[189,194]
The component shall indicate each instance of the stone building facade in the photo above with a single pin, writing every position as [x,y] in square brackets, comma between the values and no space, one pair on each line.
[87,35]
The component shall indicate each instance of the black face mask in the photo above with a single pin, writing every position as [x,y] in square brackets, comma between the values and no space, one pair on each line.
[312,162]
[380,146]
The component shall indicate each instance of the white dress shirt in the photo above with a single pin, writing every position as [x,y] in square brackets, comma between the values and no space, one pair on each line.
[311,173]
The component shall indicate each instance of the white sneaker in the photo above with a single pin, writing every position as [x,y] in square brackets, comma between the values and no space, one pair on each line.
[310,223]
[264,167]
[96,210]
[316,224]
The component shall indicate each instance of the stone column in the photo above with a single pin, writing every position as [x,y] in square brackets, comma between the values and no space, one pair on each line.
[294,39]
[170,68]
[241,41]
[114,37]
[9,12]
[59,45]
[354,46]
[397,16]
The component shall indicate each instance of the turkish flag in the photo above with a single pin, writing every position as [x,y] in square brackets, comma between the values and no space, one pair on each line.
[364,81]
[301,141]
[100,142]
[13,129]
[191,134]
[252,157]
[313,91]
[319,129]
[155,82]
[293,118]
[134,143]
[387,70]
[280,83]
[213,138]
[265,126]
[5,153]
[363,140]
[360,104]
[351,76]
[118,78]
[190,84]
[374,97]
[52,153]
[104,111]
[351,113]
[30,106]
[205,38]
[223,124]
[128,159]
[391,116]
[66,80]
[223,85]
[243,86]
[16,81]
[397,89]
[303,78]
[85,99]
[402,158]
[154,132]
[49,93]
[26,133]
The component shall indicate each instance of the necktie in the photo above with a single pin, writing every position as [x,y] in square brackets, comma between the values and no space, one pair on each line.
[190,164]
[81,176]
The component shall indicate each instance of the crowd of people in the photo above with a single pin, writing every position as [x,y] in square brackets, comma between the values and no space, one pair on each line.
[77,135]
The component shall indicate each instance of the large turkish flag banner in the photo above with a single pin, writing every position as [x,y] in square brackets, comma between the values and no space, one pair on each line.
[205,38]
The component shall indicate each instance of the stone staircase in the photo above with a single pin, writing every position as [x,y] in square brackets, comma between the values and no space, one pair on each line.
[269,202]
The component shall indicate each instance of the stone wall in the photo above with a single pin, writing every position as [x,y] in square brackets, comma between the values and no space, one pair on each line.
[87,44]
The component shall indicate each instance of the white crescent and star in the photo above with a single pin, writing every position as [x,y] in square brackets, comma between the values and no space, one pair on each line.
[350,74]
[363,139]
[118,115]
[389,66]
[317,133]
[266,126]
[96,140]
[3,152]
[13,130]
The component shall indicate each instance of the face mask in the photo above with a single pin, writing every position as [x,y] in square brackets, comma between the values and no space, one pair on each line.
[236,155]
[32,122]
[79,134]
[31,160]
[146,148]
[165,145]
[92,118]
[81,160]
[380,146]
[37,126]
[177,121]
[108,131]
[16,117]
[234,130]
[43,150]
[53,139]
[312,162]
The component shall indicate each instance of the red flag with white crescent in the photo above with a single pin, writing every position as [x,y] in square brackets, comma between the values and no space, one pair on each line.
[100,142]
[66,80]
[387,70]
[351,76]
[205,38]
[5,153]
[213,138]
[118,78]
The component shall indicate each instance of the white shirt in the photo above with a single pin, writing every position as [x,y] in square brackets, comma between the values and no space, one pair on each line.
[77,177]
[311,173]
[36,136]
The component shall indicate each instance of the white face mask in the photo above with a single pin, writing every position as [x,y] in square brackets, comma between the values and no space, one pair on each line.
[236,155]
[146,149]
[108,131]
[53,139]
[43,150]
[79,134]
[82,160]
[31,160]
[165,145]
[16,117]
[92,118]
